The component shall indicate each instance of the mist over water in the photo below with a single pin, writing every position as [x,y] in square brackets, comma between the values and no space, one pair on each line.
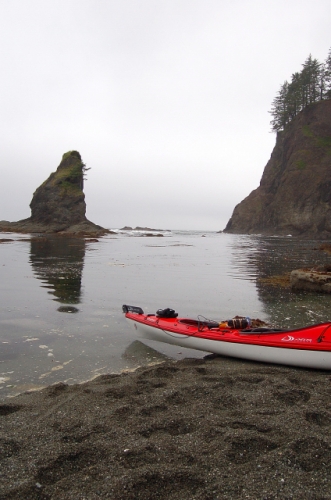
[60,313]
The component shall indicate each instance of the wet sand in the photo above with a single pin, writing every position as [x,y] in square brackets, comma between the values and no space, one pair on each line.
[213,428]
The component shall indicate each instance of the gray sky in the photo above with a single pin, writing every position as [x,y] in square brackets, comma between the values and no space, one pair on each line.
[166,100]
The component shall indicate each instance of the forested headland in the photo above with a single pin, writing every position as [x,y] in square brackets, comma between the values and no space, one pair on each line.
[311,84]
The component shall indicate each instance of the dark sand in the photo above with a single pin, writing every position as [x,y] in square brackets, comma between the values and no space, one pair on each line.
[211,428]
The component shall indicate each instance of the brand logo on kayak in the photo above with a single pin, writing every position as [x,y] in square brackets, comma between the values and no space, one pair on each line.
[289,338]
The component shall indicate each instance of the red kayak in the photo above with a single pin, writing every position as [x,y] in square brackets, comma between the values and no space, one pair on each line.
[308,347]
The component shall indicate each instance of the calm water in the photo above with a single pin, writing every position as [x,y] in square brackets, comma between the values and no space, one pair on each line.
[60,313]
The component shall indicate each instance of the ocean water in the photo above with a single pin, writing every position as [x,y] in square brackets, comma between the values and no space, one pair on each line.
[61,299]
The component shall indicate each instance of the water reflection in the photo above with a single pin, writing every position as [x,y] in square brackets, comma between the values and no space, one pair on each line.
[58,263]
[258,258]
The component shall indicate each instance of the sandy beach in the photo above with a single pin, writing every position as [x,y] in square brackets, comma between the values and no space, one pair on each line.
[212,428]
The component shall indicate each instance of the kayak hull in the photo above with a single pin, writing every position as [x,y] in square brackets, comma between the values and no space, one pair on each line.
[306,347]
[294,357]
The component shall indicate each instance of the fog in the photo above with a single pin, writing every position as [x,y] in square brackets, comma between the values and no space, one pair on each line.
[166,100]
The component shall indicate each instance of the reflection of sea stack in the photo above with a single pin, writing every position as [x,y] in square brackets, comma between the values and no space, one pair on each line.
[58,205]
[58,263]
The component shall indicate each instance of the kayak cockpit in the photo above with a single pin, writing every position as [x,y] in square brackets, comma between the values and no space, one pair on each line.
[199,324]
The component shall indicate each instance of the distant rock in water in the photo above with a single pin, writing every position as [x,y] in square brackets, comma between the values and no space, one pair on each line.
[58,205]
[294,196]
[313,280]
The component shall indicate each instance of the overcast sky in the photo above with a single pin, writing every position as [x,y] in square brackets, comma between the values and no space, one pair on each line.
[166,100]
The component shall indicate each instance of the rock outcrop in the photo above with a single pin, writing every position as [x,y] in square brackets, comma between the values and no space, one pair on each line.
[312,280]
[58,205]
[294,196]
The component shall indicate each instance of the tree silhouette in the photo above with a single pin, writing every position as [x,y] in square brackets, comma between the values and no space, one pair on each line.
[327,76]
[311,84]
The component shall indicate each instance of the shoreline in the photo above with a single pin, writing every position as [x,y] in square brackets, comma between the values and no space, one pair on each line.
[210,428]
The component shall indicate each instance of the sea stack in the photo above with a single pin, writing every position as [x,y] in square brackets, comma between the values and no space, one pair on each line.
[58,204]
[60,199]
[294,196]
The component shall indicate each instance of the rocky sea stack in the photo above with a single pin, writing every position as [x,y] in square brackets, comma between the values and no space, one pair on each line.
[58,205]
[294,196]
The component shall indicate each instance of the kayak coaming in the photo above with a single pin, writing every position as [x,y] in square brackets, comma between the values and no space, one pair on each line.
[308,347]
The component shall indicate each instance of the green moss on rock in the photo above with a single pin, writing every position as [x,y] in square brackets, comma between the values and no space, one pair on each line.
[69,175]
[71,154]
[301,164]
[307,131]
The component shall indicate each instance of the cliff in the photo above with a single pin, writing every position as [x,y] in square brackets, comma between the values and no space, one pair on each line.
[58,205]
[294,196]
